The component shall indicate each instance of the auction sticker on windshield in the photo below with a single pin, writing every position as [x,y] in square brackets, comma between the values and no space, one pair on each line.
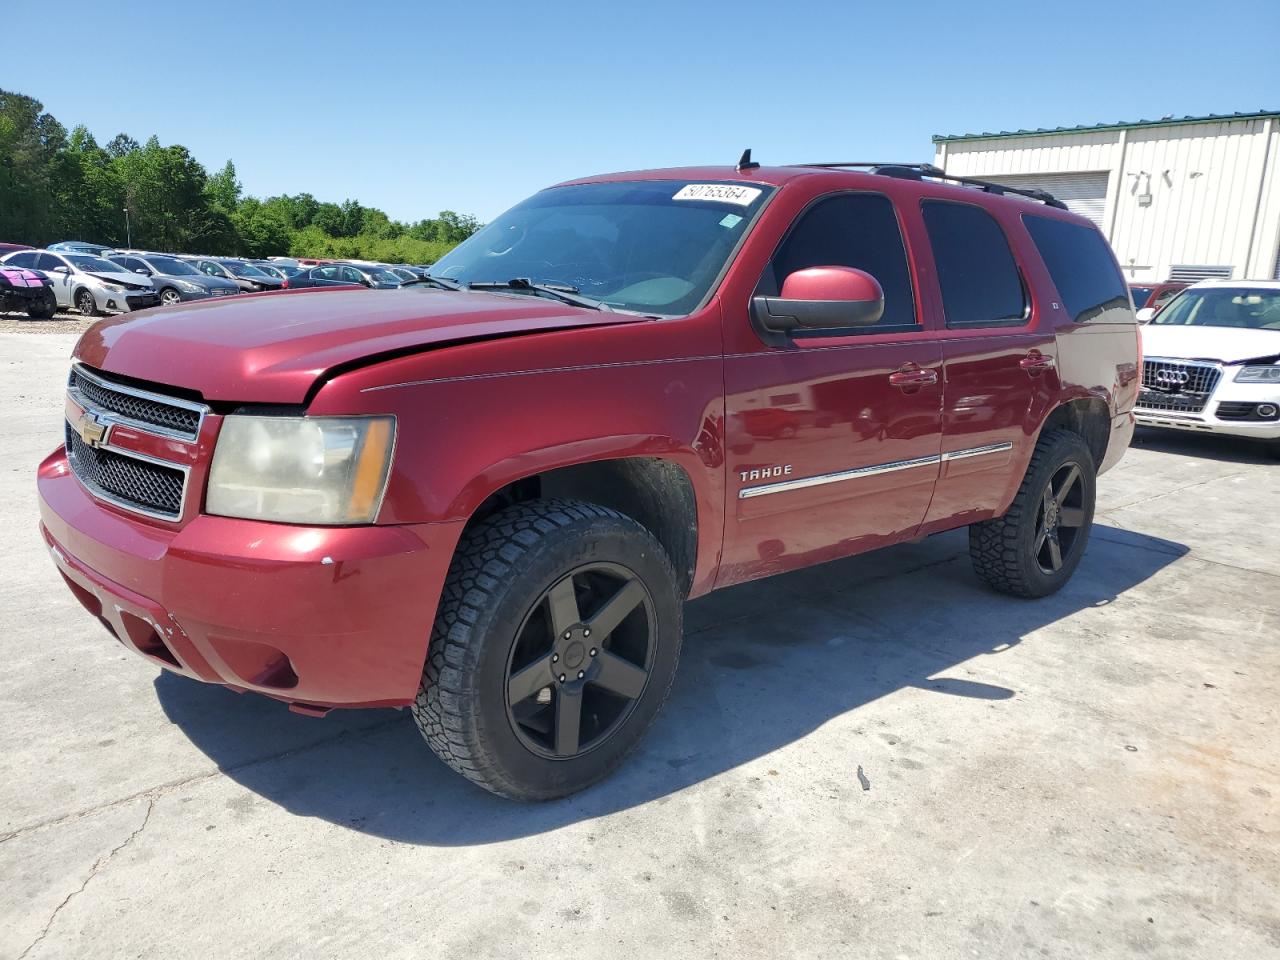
[719,192]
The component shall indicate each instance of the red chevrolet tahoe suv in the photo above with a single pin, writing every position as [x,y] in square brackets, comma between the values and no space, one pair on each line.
[487,497]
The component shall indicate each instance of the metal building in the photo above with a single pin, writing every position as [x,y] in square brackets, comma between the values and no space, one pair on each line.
[1185,198]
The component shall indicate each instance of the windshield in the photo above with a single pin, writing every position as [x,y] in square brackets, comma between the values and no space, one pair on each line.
[92,264]
[1140,296]
[242,269]
[653,246]
[171,267]
[385,276]
[1248,308]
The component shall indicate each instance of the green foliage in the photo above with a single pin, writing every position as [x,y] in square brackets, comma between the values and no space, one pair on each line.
[55,186]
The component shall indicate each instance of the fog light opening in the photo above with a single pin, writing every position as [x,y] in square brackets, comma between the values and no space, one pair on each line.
[1268,410]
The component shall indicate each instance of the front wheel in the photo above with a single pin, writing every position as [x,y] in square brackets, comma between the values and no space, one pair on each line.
[1035,547]
[46,308]
[554,647]
[85,303]
[169,296]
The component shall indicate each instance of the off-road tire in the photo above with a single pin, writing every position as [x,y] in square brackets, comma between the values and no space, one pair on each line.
[84,297]
[501,566]
[1002,549]
[46,308]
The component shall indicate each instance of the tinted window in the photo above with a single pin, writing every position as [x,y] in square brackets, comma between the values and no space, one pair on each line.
[22,260]
[849,230]
[48,261]
[1083,270]
[1140,296]
[981,286]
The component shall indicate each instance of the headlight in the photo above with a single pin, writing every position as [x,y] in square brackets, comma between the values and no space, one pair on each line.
[314,470]
[112,288]
[1269,373]
[188,287]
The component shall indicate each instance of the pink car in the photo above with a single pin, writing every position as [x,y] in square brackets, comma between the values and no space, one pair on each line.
[27,290]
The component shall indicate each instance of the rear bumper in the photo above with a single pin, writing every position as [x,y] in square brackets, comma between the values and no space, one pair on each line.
[328,616]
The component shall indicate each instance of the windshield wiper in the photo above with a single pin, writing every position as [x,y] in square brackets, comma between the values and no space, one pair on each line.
[564,292]
[440,282]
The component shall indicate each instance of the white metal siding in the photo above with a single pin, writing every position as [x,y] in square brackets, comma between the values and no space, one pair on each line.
[1083,193]
[1184,194]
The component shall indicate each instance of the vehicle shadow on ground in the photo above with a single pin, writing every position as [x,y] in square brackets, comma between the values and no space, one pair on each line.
[764,664]
[1203,446]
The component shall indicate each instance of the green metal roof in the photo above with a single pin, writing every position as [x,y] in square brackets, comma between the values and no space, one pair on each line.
[1089,128]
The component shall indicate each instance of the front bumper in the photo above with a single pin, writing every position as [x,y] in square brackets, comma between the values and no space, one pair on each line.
[315,616]
[1230,410]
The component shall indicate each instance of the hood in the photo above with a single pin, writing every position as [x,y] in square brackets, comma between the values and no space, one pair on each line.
[1227,344]
[272,348]
[123,277]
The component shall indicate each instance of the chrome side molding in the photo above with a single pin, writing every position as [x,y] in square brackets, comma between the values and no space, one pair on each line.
[800,483]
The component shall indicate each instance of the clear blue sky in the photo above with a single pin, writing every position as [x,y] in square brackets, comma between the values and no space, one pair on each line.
[418,107]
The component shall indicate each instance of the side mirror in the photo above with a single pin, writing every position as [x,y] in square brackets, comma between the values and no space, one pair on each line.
[144,271]
[61,269]
[821,298]
[1145,314]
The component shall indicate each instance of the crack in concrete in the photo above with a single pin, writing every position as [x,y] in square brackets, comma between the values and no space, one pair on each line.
[1170,493]
[97,868]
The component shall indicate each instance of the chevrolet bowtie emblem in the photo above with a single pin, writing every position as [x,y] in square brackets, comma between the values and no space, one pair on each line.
[92,431]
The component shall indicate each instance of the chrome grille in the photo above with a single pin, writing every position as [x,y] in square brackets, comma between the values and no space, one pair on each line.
[140,485]
[1177,386]
[178,417]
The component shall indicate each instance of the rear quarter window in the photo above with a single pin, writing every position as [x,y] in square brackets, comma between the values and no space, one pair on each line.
[979,279]
[1083,269]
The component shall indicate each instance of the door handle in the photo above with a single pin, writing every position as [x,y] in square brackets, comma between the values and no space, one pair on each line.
[1036,363]
[909,377]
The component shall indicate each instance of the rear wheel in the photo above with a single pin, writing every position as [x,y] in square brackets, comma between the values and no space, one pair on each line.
[46,308]
[1036,546]
[85,303]
[554,647]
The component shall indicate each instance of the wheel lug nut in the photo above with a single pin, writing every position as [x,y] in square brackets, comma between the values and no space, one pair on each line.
[594,651]
[581,674]
[562,678]
[586,633]
[568,634]
[555,658]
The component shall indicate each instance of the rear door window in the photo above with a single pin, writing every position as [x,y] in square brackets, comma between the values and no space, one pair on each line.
[850,230]
[979,279]
[1083,269]
[22,260]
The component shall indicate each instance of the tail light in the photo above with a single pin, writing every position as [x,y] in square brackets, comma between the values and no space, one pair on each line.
[286,285]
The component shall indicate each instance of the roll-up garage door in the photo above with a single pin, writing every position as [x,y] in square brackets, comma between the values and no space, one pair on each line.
[1083,193]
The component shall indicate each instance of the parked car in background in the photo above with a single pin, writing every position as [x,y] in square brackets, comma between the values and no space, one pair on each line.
[27,291]
[1212,361]
[79,246]
[90,284]
[404,273]
[13,248]
[489,503]
[175,280]
[311,277]
[248,277]
[271,269]
[1153,296]
[366,275]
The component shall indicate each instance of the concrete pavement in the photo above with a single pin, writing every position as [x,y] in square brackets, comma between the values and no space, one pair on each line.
[1092,775]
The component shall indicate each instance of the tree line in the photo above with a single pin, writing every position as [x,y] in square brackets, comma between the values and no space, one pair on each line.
[56,185]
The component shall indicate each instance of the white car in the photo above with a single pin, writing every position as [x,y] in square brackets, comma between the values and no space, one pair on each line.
[90,284]
[1211,361]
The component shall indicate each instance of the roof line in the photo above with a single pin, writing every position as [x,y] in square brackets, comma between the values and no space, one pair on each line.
[1090,128]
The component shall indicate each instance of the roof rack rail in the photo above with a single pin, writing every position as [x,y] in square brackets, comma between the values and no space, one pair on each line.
[918,171]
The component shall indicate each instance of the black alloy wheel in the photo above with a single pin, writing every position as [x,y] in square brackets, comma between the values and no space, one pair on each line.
[1062,517]
[581,661]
